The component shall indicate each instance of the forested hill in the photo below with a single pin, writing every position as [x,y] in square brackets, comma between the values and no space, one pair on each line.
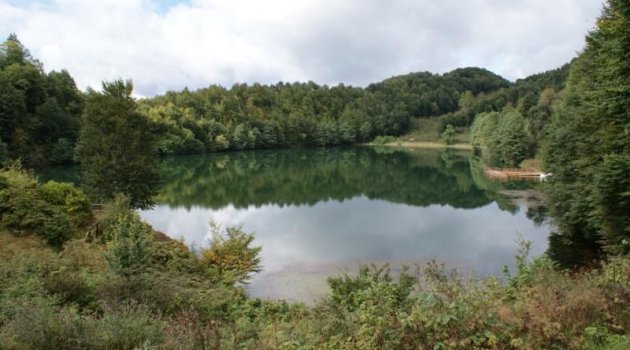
[306,114]
[40,112]
[425,94]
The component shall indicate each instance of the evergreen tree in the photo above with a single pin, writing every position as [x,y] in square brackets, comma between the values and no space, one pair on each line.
[130,245]
[589,150]
[116,148]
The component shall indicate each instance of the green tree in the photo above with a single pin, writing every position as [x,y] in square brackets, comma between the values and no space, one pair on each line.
[448,135]
[130,245]
[13,52]
[590,141]
[36,109]
[612,200]
[230,255]
[508,145]
[365,131]
[4,153]
[12,107]
[221,142]
[482,129]
[116,147]
[62,152]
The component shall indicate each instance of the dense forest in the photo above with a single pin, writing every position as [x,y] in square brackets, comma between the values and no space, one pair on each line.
[73,277]
[39,112]
[44,110]
[305,114]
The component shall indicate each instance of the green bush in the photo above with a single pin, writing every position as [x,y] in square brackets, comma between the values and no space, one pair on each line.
[40,324]
[448,135]
[382,140]
[230,258]
[129,326]
[112,210]
[70,287]
[24,208]
[72,200]
[349,292]
[130,245]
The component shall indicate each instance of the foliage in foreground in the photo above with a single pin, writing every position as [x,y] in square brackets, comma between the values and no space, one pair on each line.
[135,288]
[50,210]
[76,299]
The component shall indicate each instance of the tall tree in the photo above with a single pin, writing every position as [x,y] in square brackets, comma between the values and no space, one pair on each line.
[36,109]
[13,52]
[116,147]
[508,144]
[589,150]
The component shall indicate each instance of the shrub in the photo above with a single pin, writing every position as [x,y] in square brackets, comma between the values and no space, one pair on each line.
[68,197]
[230,257]
[112,210]
[382,140]
[24,209]
[169,254]
[130,326]
[40,324]
[349,291]
[70,287]
[130,245]
[448,136]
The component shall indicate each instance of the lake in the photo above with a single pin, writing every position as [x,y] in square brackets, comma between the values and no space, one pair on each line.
[320,212]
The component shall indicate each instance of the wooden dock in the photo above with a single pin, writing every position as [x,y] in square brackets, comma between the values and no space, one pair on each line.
[513,174]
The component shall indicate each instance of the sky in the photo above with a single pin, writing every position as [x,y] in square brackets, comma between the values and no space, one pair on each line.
[167,45]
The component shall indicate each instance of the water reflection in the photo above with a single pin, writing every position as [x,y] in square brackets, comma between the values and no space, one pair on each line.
[316,212]
[295,177]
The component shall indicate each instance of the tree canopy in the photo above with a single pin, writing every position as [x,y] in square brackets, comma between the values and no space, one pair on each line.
[38,112]
[589,148]
[116,147]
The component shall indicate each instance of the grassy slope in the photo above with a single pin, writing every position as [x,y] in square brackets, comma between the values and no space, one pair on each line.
[424,133]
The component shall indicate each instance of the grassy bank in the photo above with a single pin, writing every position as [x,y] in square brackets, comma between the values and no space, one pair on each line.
[425,145]
[425,133]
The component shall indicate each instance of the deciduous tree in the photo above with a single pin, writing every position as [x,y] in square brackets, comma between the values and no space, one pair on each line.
[116,147]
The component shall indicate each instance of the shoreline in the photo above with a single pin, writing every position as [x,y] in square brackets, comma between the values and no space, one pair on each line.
[424,144]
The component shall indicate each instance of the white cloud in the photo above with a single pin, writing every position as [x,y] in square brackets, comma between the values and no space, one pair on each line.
[201,42]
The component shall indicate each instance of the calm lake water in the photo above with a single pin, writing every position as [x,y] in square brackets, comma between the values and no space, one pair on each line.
[320,212]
